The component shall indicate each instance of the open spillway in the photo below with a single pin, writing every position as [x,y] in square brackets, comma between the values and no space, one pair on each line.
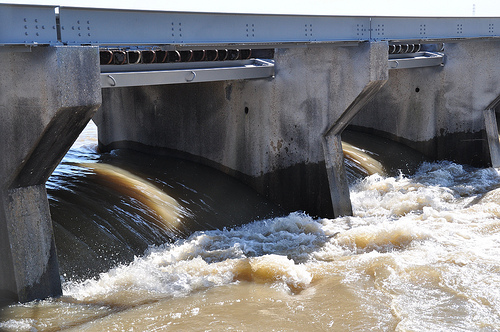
[112,207]
[420,253]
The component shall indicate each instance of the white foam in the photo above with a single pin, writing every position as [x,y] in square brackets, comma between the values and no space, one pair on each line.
[18,325]
[264,251]
[425,242]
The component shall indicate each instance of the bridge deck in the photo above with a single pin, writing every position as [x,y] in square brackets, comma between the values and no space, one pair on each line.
[32,25]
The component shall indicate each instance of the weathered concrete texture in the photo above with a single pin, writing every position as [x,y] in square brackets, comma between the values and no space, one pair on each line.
[377,70]
[439,110]
[47,95]
[267,132]
[491,124]
[31,243]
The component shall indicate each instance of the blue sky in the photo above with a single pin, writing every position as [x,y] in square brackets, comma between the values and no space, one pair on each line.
[313,7]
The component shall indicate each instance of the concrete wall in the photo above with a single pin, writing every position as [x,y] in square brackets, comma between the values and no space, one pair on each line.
[439,110]
[269,133]
[47,95]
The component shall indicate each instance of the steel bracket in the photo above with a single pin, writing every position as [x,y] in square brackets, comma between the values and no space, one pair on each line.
[177,73]
[416,60]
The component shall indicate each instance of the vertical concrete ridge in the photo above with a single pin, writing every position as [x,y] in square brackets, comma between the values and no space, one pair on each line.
[337,178]
[8,284]
[32,242]
[491,126]
[47,96]
[490,122]
[376,75]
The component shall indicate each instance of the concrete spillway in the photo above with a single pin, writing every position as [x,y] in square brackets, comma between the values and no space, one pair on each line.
[276,124]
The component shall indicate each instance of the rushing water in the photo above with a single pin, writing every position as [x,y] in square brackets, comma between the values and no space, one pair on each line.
[153,244]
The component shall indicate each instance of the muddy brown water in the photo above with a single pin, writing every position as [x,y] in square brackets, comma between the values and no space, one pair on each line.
[158,244]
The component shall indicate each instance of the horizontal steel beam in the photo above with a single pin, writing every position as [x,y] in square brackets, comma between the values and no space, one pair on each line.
[181,73]
[433,28]
[27,25]
[114,27]
[31,25]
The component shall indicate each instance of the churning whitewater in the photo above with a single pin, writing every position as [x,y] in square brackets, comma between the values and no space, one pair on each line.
[421,253]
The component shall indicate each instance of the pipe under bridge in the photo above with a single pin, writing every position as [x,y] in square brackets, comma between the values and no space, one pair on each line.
[264,98]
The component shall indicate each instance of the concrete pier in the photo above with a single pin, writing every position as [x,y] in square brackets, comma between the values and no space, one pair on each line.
[269,133]
[47,96]
[491,124]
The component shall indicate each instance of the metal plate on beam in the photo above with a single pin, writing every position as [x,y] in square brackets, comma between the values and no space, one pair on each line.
[249,69]
[27,25]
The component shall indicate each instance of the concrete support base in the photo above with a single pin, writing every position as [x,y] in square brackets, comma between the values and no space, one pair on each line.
[490,122]
[32,248]
[269,133]
[337,179]
[47,96]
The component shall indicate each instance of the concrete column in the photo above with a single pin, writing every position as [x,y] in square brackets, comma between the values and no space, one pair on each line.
[377,71]
[267,132]
[490,121]
[47,96]
[491,126]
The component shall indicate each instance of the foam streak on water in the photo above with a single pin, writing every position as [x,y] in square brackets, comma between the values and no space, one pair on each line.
[421,253]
